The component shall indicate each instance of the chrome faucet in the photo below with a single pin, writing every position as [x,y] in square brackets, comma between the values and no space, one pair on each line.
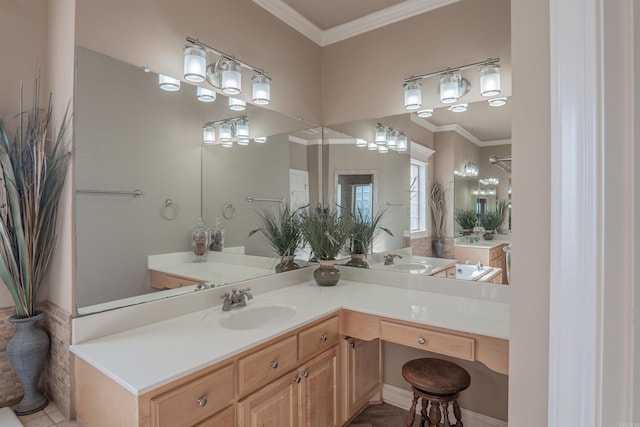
[388,259]
[479,264]
[237,299]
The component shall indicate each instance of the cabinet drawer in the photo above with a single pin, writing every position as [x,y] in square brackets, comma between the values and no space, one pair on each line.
[318,338]
[191,403]
[425,339]
[167,281]
[267,364]
[496,252]
[225,418]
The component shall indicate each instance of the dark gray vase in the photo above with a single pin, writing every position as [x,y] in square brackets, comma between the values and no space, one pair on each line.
[326,274]
[27,351]
[437,247]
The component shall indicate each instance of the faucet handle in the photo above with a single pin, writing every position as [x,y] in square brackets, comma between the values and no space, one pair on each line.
[225,295]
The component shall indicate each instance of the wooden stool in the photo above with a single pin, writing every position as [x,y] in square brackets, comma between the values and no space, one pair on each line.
[439,382]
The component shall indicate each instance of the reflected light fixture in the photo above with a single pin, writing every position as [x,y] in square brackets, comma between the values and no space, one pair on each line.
[205,95]
[261,89]
[227,144]
[361,142]
[208,134]
[236,104]
[260,139]
[459,108]
[195,63]
[224,132]
[497,102]
[242,129]
[168,83]
[243,141]
[383,149]
[381,134]
[403,143]
[392,139]
[425,113]
[490,80]
[412,95]
[372,146]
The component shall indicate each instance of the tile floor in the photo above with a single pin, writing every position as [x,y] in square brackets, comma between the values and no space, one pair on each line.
[382,415]
[48,417]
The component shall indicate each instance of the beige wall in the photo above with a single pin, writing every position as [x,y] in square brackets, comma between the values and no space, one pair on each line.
[152,33]
[529,344]
[298,156]
[362,76]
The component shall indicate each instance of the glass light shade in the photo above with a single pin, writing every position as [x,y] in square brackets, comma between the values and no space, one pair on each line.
[372,146]
[381,135]
[236,104]
[449,85]
[361,142]
[205,95]
[242,129]
[392,140]
[195,64]
[490,80]
[208,134]
[243,141]
[232,79]
[403,143]
[425,113]
[260,139]
[224,132]
[459,108]
[497,102]
[261,89]
[412,95]
[227,144]
[383,149]
[168,83]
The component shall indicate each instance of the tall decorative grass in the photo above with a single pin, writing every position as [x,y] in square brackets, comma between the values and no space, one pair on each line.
[326,231]
[34,167]
[438,204]
[280,229]
[365,229]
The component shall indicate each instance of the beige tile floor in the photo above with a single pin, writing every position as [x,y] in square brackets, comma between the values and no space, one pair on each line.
[48,417]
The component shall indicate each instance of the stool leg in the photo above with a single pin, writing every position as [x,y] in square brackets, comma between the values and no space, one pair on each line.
[434,414]
[457,414]
[423,412]
[445,414]
[411,416]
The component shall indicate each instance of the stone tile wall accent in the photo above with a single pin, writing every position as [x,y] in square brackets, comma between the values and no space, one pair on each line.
[55,381]
[423,247]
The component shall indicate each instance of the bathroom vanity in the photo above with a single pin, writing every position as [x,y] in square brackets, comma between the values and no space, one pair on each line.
[488,252]
[296,355]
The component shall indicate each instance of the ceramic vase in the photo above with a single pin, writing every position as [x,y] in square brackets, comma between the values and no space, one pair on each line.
[326,274]
[437,246]
[286,264]
[488,235]
[358,260]
[27,351]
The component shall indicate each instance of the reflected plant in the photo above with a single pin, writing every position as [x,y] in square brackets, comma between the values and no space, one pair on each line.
[467,219]
[438,204]
[364,229]
[281,229]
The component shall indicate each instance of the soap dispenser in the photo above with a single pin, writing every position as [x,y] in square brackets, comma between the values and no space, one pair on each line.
[200,240]
[217,237]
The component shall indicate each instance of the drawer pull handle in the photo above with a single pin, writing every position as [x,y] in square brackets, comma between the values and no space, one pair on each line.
[421,341]
[297,379]
[305,374]
[323,337]
[352,344]
[202,401]
[179,285]
[274,364]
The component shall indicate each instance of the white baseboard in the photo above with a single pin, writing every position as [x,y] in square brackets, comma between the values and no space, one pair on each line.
[402,399]
[8,418]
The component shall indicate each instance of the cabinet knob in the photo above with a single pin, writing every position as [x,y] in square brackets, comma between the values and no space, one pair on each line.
[202,401]
[179,285]
[297,379]
[305,374]
[274,364]
[323,337]
[352,344]
[421,341]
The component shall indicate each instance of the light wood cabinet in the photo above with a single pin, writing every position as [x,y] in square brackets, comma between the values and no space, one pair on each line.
[225,418]
[493,257]
[447,273]
[264,366]
[273,405]
[319,388]
[161,280]
[362,374]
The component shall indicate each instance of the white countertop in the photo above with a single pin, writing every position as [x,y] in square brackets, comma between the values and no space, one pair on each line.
[498,239]
[144,358]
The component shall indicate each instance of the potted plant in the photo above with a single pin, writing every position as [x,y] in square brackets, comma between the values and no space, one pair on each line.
[467,219]
[34,168]
[490,221]
[281,230]
[327,232]
[364,229]
[438,204]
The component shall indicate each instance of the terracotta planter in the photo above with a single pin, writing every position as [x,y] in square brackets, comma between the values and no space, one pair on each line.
[326,274]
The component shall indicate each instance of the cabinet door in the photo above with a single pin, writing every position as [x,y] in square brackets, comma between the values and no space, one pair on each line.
[274,405]
[362,376]
[223,419]
[319,402]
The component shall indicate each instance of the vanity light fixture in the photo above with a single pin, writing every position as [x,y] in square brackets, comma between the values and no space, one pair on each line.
[168,83]
[372,146]
[425,113]
[225,74]
[208,133]
[195,63]
[383,149]
[490,181]
[381,134]
[470,169]
[242,129]
[392,139]
[205,95]
[403,143]
[452,85]
[227,144]
[459,108]
[229,130]
[260,139]
[243,141]
[224,132]
[236,104]
[497,102]
[361,142]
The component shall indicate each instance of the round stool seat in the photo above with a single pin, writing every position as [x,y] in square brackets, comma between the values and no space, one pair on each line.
[436,376]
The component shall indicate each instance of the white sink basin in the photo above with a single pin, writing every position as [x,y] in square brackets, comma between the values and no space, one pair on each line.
[470,271]
[411,268]
[258,317]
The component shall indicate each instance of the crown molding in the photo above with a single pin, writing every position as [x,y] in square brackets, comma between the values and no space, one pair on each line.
[460,131]
[495,142]
[389,15]
[420,152]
